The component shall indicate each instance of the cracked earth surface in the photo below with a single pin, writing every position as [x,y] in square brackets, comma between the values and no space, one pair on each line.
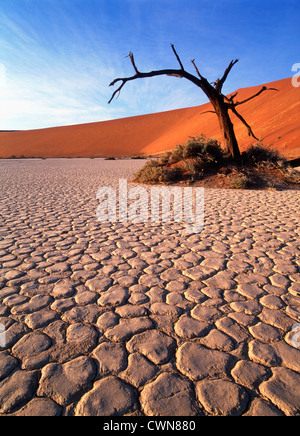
[143,319]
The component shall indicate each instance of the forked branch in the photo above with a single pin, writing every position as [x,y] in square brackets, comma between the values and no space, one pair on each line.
[220,82]
[117,91]
[168,72]
[201,83]
[263,89]
[230,99]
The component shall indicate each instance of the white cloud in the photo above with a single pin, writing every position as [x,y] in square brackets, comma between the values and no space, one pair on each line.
[65,95]
[62,97]
[2,76]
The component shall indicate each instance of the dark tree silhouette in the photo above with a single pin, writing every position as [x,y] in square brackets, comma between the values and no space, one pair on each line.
[221,103]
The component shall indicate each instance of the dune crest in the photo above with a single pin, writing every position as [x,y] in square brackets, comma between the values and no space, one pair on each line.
[274,116]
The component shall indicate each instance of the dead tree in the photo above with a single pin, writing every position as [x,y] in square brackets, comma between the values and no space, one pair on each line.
[221,103]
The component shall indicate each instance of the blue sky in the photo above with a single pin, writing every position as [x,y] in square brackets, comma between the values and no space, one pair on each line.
[57,57]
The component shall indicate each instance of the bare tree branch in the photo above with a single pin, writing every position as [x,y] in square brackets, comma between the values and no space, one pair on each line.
[263,89]
[201,83]
[118,90]
[250,131]
[179,76]
[196,68]
[133,62]
[220,82]
[168,72]
[177,57]
[182,73]
[231,97]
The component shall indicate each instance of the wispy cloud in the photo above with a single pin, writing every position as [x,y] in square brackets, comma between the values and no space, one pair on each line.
[64,78]
[36,102]
[44,87]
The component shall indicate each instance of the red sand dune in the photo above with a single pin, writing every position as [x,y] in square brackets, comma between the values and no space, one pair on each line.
[274,116]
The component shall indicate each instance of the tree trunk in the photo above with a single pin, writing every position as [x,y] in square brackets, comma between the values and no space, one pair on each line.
[227,129]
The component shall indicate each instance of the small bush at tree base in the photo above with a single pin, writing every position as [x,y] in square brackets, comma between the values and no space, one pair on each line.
[239,181]
[176,155]
[259,155]
[202,158]
[209,150]
[290,175]
[153,173]
[193,168]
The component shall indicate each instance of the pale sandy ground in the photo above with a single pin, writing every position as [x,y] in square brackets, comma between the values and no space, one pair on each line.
[134,319]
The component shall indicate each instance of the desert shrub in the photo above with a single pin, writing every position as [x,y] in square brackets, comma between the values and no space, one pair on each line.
[259,155]
[290,175]
[177,154]
[239,181]
[191,159]
[209,150]
[194,168]
[153,173]
[193,148]
[164,159]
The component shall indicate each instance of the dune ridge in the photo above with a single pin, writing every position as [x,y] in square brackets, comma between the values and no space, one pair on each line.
[274,116]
